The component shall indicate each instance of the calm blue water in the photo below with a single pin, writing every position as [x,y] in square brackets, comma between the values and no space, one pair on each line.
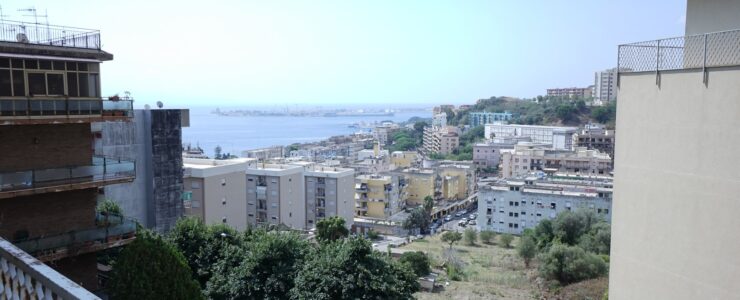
[236,134]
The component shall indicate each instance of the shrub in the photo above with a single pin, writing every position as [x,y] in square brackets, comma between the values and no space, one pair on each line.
[373,235]
[526,249]
[486,236]
[506,239]
[470,236]
[109,207]
[417,261]
[569,264]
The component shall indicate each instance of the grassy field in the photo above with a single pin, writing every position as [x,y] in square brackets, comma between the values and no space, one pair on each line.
[494,272]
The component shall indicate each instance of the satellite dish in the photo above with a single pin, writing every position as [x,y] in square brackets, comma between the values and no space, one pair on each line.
[21,38]
[160,104]
[146,106]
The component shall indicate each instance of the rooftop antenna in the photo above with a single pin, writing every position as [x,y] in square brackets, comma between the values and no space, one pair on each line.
[36,16]
[2,16]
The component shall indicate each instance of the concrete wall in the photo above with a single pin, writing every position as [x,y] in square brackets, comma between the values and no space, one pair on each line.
[27,147]
[703,16]
[346,198]
[224,196]
[292,201]
[675,223]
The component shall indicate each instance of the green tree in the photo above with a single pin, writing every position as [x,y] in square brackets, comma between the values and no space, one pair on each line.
[565,112]
[217,152]
[350,269]
[151,268]
[428,204]
[569,264]
[108,206]
[526,249]
[201,245]
[505,240]
[570,226]
[451,237]
[486,236]
[417,219]
[598,239]
[331,229]
[470,236]
[263,268]
[419,126]
[417,261]
[544,234]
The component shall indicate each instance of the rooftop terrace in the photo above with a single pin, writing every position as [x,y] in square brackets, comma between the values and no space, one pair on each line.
[49,35]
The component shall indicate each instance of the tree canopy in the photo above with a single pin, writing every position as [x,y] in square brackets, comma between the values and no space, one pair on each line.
[331,229]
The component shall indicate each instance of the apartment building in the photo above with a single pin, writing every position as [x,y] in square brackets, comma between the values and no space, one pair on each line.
[572,92]
[216,190]
[154,140]
[419,184]
[528,157]
[275,195]
[561,138]
[595,137]
[441,140]
[481,118]
[404,159]
[376,196]
[329,192]
[265,153]
[513,205]
[675,224]
[488,153]
[455,181]
[49,173]
[605,85]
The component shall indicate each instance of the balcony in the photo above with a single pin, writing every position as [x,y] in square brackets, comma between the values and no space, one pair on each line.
[49,35]
[54,110]
[695,52]
[102,171]
[111,231]
[24,277]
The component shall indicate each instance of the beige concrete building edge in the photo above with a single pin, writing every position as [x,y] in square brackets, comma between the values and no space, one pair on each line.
[675,225]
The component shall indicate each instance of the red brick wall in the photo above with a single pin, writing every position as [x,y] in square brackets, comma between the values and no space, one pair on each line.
[48,213]
[26,147]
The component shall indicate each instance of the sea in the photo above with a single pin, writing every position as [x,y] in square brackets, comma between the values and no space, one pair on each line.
[238,133]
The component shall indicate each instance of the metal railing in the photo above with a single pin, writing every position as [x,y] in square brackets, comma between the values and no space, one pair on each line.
[108,228]
[101,169]
[716,49]
[31,107]
[25,277]
[51,35]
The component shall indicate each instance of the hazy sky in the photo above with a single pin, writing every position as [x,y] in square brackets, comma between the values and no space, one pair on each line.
[327,52]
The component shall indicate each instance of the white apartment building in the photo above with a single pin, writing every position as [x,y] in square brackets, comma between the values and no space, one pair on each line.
[275,195]
[605,85]
[510,206]
[676,184]
[561,138]
[528,157]
[488,153]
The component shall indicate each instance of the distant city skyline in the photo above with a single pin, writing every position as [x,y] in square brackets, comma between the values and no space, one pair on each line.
[237,53]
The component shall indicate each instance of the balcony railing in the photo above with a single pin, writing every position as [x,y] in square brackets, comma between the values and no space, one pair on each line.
[24,277]
[716,49]
[49,35]
[110,231]
[54,108]
[102,169]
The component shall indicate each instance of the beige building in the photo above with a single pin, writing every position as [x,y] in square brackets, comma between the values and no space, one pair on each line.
[329,192]
[275,195]
[215,190]
[571,92]
[441,140]
[404,159]
[420,183]
[528,157]
[675,222]
[375,196]
[455,182]
[595,137]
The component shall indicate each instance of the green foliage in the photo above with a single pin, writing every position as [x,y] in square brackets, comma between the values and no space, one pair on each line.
[526,249]
[565,112]
[293,147]
[419,126]
[373,235]
[263,268]
[151,268]
[605,114]
[569,264]
[418,219]
[570,226]
[109,207]
[416,261]
[350,269]
[597,239]
[217,152]
[331,229]
[472,135]
[201,245]
[470,236]
[436,156]
[428,204]
[544,234]
[451,237]
[486,236]
[505,240]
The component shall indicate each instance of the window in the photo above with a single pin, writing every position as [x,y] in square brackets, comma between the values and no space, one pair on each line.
[223,220]
[223,201]
[223,181]
[195,185]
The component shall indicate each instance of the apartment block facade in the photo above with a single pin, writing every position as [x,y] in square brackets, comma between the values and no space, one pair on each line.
[441,140]
[572,92]
[483,117]
[561,138]
[595,137]
[275,195]
[376,196]
[49,173]
[511,206]
[605,85]
[329,192]
[675,225]
[528,157]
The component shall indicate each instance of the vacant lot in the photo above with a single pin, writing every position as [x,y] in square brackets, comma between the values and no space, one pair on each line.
[494,272]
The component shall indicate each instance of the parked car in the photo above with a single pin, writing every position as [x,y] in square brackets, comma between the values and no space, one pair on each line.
[448,218]
[472,216]
[462,223]
[471,222]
